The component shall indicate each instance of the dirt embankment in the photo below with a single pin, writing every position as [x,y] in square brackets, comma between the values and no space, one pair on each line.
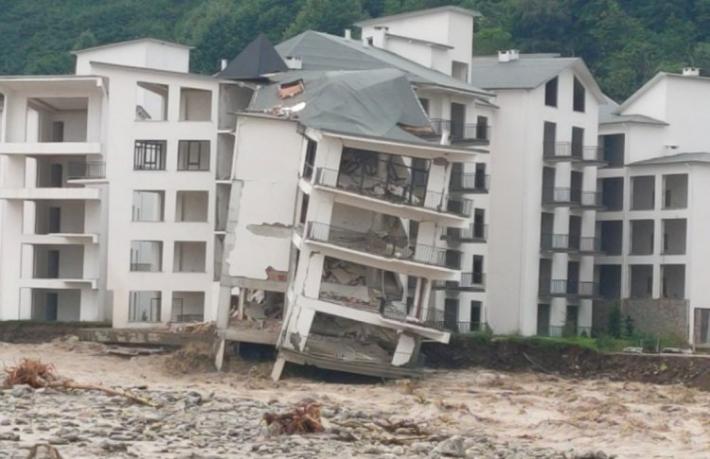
[568,360]
[20,331]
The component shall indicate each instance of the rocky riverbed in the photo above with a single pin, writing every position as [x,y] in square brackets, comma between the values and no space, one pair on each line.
[475,413]
[190,424]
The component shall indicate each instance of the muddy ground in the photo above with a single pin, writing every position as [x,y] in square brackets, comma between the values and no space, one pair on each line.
[470,412]
[571,361]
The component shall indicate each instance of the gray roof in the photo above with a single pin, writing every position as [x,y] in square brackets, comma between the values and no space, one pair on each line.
[257,59]
[609,114]
[678,158]
[367,103]
[528,72]
[321,51]
[525,73]
[410,14]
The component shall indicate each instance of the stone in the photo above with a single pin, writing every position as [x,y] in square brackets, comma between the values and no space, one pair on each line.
[451,447]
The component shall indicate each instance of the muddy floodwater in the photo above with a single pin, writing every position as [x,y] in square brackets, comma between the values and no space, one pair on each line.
[462,413]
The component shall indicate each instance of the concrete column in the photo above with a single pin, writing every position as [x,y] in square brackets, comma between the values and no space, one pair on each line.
[406,345]
[656,291]
[558,315]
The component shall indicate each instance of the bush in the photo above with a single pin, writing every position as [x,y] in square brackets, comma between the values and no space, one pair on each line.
[614,325]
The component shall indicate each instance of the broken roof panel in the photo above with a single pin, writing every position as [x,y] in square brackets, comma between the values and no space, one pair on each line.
[321,51]
[371,103]
[258,59]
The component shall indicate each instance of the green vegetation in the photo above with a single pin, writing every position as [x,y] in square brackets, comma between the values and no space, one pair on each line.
[624,42]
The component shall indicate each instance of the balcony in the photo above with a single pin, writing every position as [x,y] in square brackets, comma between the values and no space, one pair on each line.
[86,170]
[470,282]
[591,200]
[460,132]
[393,192]
[590,245]
[470,183]
[380,244]
[567,288]
[550,242]
[554,196]
[50,148]
[69,193]
[474,233]
[593,155]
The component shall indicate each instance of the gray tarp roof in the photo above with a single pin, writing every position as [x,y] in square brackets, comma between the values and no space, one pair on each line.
[678,158]
[321,51]
[370,103]
[258,58]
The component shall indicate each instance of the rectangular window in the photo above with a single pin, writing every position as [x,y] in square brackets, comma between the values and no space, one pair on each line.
[195,104]
[151,101]
[148,206]
[310,159]
[189,256]
[482,128]
[144,306]
[475,323]
[578,102]
[551,93]
[193,155]
[191,206]
[577,142]
[149,155]
[548,140]
[146,256]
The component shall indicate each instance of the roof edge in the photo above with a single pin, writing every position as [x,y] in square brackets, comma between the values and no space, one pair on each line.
[407,14]
[136,40]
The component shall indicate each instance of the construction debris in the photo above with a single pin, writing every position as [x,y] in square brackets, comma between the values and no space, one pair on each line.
[44,451]
[39,375]
[304,418]
[124,351]
[195,357]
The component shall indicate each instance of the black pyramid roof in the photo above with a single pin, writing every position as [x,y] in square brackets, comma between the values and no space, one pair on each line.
[257,59]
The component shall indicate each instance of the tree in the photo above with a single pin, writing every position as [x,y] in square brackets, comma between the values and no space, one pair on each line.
[332,16]
[85,40]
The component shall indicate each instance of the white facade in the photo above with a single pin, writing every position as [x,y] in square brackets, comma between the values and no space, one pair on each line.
[654,225]
[111,188]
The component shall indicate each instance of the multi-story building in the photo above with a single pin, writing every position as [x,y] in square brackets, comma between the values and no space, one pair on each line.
[114,193]
[654,224]
[371,201]
[544,197]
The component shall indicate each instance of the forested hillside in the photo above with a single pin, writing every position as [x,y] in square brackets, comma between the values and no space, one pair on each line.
[623,41]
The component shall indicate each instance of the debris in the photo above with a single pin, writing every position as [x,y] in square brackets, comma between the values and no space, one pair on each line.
[291,89]
[38,375]
[452,447]
[44,451]
[193,358]
[535,364]
[133,351]
[633,350]
[675,350]
[304,418]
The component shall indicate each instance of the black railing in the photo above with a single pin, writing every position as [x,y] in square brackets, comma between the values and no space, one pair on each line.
[474,233]
[592,199]
[470,182]
[555,195]
[568,287]
[86,170]
[550,241]
[377,243]
[460,131]
[394,191]
[472,280]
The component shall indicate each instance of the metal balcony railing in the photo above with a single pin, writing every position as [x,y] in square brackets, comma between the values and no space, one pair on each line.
[469,281]
[394,191]
[145,267]
[568,287]
[550,241]
[591,199]
[474,233]
[561,196]
[460,131]
[561,151]
[377,243]
[470,182]
[86,170]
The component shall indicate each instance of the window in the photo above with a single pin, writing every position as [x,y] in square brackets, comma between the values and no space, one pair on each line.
[459,71]
[189,257]
[549,139]
[310,159]
[148,206]
[613,147]
[577,142]
[144,306]
[188,307]
[193,155]
[191,206]
[151,101]
[477,273]
[195,104]
[551,93]
[149,155]
[146,256]
[482,128]
[475,323]
[425,104]
[578,102]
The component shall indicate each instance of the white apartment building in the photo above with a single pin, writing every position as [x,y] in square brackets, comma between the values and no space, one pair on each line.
[369,166]
[544,197]
[114,188]
[654,224]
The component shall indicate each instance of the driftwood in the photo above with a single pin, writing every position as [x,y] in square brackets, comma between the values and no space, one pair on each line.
[38,375]
[304,418]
